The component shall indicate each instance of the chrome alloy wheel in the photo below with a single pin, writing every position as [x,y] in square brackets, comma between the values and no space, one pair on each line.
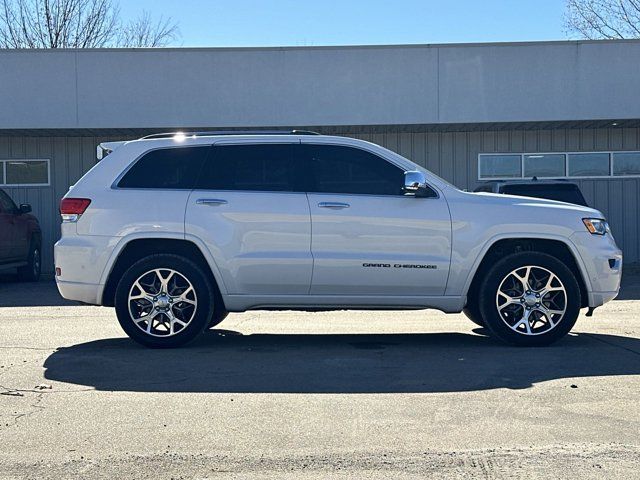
[531,300]
[162,302]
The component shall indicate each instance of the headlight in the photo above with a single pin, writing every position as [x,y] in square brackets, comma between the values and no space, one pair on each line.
[596,226]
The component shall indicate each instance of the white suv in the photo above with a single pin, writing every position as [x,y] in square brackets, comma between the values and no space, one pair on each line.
[177,230]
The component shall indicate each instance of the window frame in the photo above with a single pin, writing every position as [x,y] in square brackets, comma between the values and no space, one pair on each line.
[566,175]
[3,166]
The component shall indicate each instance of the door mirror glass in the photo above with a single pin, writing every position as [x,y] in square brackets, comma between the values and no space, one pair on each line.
[25,208]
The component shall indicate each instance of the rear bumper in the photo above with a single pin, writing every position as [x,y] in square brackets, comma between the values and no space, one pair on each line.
[80,292]
[81,260]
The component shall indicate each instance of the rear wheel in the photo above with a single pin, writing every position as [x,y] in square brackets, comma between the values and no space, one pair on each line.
[31,271]
[164,301]
[529,299]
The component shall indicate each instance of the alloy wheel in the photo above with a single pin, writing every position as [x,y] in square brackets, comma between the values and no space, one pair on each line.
[531,300]
[162,302]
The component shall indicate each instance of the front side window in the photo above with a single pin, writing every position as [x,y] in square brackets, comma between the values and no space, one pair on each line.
[262,167]
[166,168]
[348,170]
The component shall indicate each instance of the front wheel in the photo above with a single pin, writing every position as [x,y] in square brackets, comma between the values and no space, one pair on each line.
[164,301]
[529,299]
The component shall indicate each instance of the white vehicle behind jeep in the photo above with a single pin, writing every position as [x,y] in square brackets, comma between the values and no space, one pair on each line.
[177,230]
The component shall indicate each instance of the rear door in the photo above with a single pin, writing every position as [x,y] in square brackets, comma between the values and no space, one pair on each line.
[151,195]
[254,218]
[369,238]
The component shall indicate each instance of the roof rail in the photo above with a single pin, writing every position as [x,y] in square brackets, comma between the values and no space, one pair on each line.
[229,132]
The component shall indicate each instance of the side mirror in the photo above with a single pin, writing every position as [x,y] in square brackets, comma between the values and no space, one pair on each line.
[25,208]
[415,182]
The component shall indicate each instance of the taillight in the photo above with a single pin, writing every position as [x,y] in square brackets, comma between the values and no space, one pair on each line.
[72,208]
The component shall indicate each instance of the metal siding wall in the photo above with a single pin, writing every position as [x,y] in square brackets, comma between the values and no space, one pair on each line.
[70,158]
[452,155]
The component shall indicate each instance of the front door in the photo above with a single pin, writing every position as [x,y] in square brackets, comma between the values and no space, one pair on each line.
[255,222]
[369,238]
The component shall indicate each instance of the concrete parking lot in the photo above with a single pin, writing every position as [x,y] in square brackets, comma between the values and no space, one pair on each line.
[314,395]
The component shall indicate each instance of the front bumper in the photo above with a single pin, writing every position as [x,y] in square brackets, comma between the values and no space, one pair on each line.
[602,260]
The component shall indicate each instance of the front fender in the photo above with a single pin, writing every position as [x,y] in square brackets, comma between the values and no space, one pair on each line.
[463,272]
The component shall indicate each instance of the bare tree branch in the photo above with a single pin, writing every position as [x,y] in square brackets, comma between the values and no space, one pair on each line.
[79,24]
[602,19]
[144,32]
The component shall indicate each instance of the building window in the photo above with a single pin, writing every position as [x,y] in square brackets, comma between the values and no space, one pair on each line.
[493,166]
[544,165]
[626,163]
[24,173]
[500,166]
[589,165]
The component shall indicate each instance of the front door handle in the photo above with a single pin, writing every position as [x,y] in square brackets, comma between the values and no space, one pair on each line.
[336,205]
[211,201]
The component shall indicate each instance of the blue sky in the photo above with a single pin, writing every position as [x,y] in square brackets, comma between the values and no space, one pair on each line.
[353,22]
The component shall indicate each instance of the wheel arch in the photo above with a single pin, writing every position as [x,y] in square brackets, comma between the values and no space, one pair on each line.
[557,248]
[137,248]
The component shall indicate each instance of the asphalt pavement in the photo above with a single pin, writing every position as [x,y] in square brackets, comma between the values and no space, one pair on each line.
[347,394]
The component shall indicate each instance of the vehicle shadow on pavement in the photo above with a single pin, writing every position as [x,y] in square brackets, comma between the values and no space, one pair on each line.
[226,361]
[30,294]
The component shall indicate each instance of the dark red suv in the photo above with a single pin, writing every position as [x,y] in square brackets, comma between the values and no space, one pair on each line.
[20,239]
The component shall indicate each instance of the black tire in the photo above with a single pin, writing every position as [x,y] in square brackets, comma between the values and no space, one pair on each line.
[31,271]
[219,314]
[190,271]
[494,321]
[472,312]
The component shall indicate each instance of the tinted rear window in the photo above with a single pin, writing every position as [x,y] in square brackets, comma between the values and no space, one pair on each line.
[166,168]
[263,167]
[562,193]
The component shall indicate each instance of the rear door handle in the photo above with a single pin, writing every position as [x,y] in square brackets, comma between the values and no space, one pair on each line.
[336,205]
[211,201]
